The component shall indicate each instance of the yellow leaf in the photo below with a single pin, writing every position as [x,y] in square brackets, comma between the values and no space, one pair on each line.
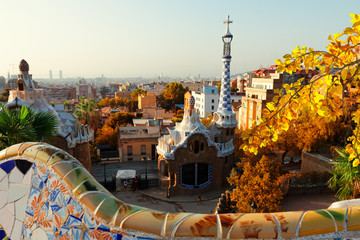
[356,162]
[322,111]
[344,74]
[270,106]
[285,126]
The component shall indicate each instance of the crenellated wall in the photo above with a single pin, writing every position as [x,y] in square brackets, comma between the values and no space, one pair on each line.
[45,193]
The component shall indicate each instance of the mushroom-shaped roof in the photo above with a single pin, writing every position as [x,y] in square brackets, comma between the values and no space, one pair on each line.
[23,66]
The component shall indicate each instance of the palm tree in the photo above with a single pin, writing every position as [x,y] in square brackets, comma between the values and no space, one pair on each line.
[21,125]
[345,177]
[87,113]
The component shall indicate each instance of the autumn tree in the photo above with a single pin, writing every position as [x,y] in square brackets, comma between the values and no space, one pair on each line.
[325,95]
[171,95]
[120,119]
[107,135]
[259,182]
[4,95]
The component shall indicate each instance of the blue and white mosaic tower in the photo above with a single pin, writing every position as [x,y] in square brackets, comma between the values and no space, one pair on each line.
[224,115]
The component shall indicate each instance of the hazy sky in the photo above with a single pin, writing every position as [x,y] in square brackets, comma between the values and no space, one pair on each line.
[143,38]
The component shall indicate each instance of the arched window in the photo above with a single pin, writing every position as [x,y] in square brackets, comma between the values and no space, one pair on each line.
[195,175]
[196,146]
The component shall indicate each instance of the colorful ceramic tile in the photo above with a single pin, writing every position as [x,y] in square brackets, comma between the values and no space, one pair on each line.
[89,221]
[28,177]
[23,165]
[3,198]
[20,206]
[17,229]
[17,191]
[38,233]
[8,166]
[16,176]
[37,182]
[2,154]
[76,233]
[26,145]
[10,207]
[339,216]
[33,199]
[108,208]
[288,222]
[194,226]
[2,174]
[73,221]
[62,168]
[46,152]
[353,219]
[316,222]
[74,208]
[6,220]
[13,150]
[93,199]
[32,150]
[4,184]
[254,225]
[155,217]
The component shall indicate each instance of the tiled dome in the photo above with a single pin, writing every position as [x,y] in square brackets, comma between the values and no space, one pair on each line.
[191,101]
[24,66]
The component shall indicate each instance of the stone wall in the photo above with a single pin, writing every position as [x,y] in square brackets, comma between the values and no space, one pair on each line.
[314,162]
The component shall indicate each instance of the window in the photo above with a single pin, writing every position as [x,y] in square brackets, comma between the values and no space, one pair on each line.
[202,146]
[212,91]
[196,146]
[129,150]
[244,105]
[212,101]
[195,175]
[212,107]
[143,149]
[227,132]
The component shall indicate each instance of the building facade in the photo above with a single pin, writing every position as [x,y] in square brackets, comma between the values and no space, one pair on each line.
[71,136]
[137,143]
[206,101]
[193,158]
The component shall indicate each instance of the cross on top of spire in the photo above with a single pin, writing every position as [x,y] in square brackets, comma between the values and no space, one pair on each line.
[227,32]
[227,21]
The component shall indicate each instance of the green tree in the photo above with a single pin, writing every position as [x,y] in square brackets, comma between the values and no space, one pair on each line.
[171,95]
[21,125]
[87,113]
[136,93]
[344,176]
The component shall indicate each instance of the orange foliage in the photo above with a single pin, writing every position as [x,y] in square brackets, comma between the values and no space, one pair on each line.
[258,181]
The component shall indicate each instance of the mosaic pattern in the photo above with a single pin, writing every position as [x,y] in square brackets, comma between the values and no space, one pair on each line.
[225,97]
[46,194]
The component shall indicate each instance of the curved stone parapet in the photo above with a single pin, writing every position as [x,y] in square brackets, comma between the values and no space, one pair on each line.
[45,193]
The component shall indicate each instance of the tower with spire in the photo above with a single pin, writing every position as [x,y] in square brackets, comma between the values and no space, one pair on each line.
[193,158]
[224,121]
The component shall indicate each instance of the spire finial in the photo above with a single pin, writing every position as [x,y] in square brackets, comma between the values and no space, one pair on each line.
[227,22]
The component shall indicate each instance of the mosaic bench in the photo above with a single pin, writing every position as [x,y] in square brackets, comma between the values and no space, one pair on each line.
[45,193]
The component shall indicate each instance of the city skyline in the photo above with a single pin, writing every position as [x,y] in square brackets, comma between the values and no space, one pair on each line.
[143,38]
